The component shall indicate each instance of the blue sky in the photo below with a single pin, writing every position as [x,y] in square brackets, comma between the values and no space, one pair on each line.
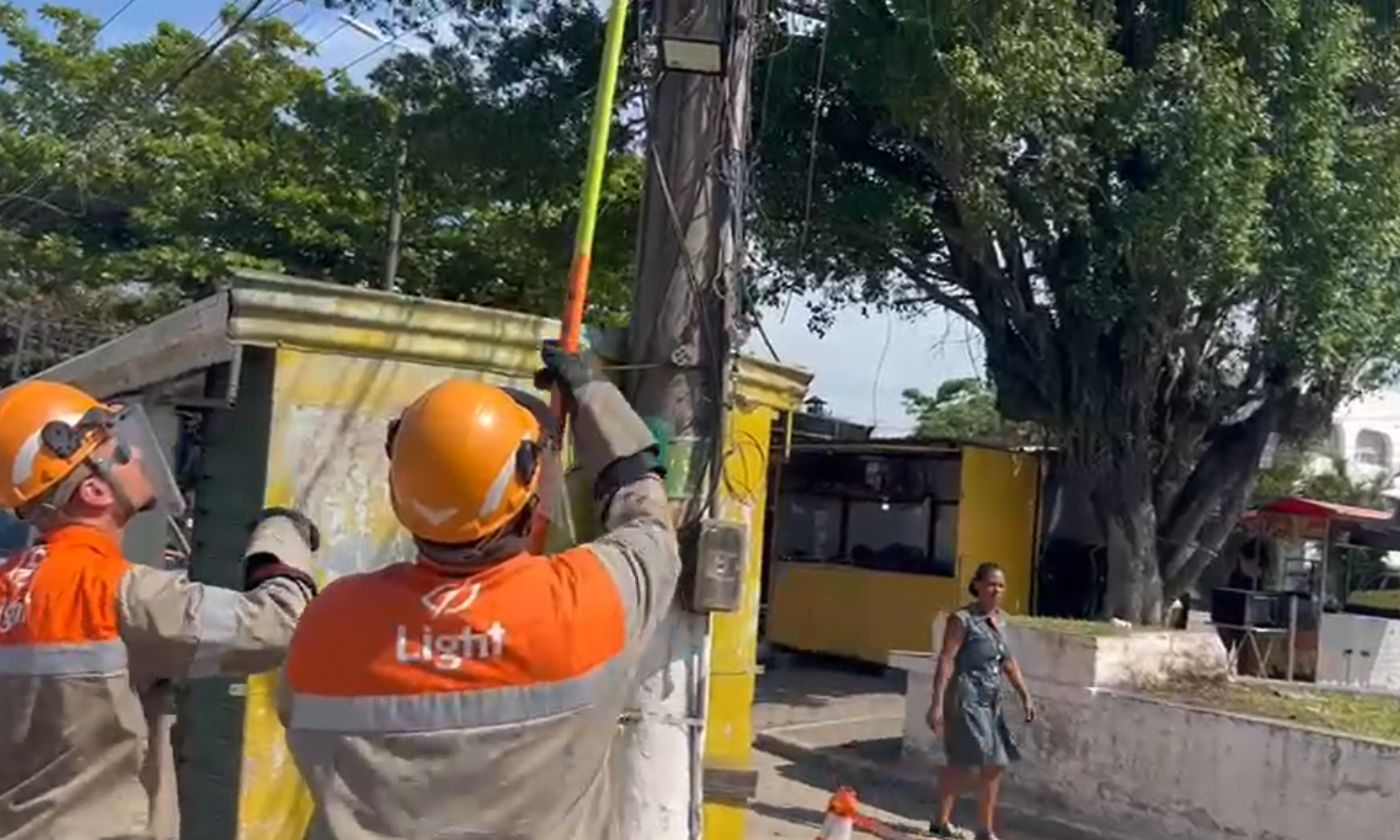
[862,364]
[342,44]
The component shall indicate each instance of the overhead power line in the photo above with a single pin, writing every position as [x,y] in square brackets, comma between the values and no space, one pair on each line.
[25,194]
[118,13]
[214,47]
[329,35]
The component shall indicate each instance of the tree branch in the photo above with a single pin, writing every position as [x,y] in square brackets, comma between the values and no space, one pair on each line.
[1229,459]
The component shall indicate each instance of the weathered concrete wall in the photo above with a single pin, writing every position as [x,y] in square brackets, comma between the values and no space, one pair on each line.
[1129,659]
[1159,771]
[1167,771]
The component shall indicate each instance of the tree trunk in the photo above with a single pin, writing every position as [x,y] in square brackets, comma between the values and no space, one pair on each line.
[1134,580]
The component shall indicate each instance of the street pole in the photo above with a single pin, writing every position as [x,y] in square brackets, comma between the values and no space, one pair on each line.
[395,236]
[681,336]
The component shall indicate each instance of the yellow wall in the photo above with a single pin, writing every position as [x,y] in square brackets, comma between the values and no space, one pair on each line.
[734,636]
[997,519]
[326,456]
[860,613]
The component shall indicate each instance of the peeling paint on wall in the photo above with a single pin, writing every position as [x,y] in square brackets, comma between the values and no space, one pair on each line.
[326,456]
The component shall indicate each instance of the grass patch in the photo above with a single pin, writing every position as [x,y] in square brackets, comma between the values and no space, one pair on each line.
[1362,715]
[1388,599]
[1070,626]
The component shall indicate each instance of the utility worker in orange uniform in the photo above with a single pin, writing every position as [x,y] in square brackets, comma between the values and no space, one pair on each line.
[79,624]
[476,692]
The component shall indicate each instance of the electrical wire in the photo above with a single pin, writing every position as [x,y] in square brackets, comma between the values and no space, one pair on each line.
[329,35]
[812,149]
[212,48]
[303,19]
[276,10]
[208,27]
[118,13]
[24,194]
[879,368]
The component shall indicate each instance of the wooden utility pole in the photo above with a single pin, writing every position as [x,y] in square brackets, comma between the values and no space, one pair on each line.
[395,235]
[681,337]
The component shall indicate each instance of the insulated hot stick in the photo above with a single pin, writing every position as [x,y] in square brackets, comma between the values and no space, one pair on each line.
[572,328]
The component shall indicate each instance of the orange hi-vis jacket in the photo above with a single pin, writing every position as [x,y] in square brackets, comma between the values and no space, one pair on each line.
[423,703]
[79,624]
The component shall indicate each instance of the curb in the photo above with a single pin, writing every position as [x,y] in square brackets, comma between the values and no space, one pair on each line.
[1021,817]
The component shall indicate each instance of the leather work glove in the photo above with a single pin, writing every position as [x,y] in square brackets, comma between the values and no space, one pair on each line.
[570,372]
[615,446]
[282,543]
[305,527]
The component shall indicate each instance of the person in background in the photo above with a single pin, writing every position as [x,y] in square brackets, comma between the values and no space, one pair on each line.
[967,710]
[82,629]
[1251,564]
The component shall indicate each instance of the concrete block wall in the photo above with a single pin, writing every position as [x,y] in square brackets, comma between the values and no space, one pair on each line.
[1160,771]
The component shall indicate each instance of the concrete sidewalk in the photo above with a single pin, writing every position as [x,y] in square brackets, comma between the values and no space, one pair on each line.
[822,727]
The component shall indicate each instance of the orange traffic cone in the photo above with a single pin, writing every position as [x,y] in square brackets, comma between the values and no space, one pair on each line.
[840,822]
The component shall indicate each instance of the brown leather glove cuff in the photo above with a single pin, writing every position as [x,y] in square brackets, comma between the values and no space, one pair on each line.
[263,568]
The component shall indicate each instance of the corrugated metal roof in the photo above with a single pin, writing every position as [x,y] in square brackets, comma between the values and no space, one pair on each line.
[1299,506]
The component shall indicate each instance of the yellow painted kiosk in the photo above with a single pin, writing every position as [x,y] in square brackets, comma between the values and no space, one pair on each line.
[871,539]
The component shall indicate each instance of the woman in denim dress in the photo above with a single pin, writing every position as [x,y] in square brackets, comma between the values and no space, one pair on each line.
[967,703]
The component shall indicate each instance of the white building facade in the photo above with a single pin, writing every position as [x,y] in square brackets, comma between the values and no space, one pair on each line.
[1366,433]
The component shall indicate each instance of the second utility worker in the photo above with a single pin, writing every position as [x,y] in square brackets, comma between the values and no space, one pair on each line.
[78,621]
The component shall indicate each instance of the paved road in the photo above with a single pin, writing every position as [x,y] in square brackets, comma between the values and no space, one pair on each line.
[824,727]
[792,798]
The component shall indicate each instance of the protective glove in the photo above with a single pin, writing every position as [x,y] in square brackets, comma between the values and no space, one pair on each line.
[569,372]
[615,447]
[282,543]
[308,530]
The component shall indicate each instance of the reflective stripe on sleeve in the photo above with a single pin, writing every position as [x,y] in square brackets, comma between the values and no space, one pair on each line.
[216,629]
[63,659]
[449,710]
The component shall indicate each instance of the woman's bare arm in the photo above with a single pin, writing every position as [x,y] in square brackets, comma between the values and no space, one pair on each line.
[1018,682]
[953,635]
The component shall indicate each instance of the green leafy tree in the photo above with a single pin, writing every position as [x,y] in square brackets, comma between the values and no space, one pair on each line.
[132,177]
[121,185]
[499,118]
[1176,225]
[1296,472]
[964,409]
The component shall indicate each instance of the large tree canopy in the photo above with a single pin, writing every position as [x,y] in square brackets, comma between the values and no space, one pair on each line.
[129,181]
[1175,224]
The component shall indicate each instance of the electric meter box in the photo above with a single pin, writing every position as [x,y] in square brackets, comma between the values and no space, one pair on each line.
[718,584]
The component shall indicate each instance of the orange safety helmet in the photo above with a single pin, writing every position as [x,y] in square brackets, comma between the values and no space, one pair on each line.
[29,468]
[464,460]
